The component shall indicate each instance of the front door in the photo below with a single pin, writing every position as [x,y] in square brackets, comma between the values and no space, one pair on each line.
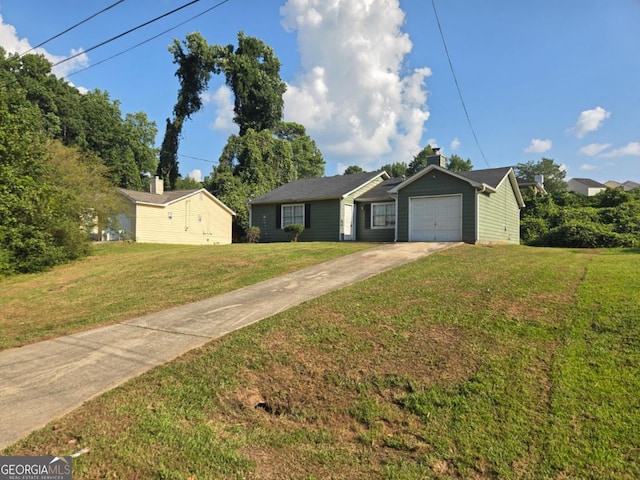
[347,223]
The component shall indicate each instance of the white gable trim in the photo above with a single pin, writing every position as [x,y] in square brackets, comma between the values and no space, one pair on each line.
[382,174]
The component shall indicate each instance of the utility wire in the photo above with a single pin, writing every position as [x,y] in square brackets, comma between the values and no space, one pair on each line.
[197,158]
[126,33]
[455,79]
[74,26]
[149,39]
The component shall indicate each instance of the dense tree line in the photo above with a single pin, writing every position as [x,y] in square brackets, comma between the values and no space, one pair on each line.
[61,153]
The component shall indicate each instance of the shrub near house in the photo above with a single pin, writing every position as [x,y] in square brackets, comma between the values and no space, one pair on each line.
[609,219]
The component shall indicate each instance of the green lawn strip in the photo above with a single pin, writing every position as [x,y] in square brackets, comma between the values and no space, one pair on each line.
[438,369]
[125,280]
[596,398]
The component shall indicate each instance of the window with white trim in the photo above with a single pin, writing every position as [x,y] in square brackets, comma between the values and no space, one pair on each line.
[292,214]
[383,215]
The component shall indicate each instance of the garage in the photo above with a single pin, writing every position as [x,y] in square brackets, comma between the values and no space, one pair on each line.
[435,219]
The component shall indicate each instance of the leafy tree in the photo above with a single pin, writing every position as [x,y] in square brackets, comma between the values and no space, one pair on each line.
[252,72]
[92,122]
[395,170]
[83,189]
[553,174]
[307,157]
[194,58]
[455,163]
[419,162]
[250,166]
[141,133]
[267,152]
[188,183]
[353,169]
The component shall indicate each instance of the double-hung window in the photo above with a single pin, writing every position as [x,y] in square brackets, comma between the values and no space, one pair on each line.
[383,215]
[292,214]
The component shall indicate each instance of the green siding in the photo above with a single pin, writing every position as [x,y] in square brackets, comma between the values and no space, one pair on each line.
[438,183]
[499,216]
[325,222]
[371,234]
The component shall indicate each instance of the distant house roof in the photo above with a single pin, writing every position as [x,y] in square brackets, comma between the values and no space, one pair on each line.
[626,186]
[587,182]
[489,176]
[167,198]
[321,188]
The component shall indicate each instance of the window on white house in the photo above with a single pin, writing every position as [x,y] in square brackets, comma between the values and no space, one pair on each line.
[292,214]
[383,215]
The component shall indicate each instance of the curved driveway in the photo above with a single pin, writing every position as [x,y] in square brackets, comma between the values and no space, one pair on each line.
[43,381]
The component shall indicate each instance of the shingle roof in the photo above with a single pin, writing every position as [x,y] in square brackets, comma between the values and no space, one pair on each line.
[630,185]
[154,198]
[380,192]
[589,183]
[489,176]
[321,188]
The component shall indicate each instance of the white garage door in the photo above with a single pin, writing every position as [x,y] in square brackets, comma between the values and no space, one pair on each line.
[435,219]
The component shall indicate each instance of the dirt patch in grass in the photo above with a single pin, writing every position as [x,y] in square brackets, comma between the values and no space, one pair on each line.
[315,386]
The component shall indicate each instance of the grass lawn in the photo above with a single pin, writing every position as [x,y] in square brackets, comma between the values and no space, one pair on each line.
[126,280]
[477,362]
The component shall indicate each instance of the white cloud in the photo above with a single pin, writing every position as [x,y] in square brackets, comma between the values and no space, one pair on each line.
[539,146]
[352,93]
[589,121]
[221,99]
[632,148]
[432,142]
[587,166]
[195,174]
[455,143]
[10,41]
[594,149]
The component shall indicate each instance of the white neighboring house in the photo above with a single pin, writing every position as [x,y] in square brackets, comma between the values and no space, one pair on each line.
[585,186]
[189,217]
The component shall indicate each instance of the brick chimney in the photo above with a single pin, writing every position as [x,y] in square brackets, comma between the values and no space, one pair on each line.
[157,185]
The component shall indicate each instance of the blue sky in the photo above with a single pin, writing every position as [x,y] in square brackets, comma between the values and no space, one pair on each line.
[370,78]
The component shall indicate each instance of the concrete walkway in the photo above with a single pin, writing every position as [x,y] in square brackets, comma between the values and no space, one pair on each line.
[43,381]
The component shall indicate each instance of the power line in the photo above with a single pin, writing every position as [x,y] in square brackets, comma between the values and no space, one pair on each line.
[197,158]
[149,39]
[455,79]
[72,27]
[127,32]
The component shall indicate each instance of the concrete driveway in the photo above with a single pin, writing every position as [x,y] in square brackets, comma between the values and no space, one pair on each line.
[43,381]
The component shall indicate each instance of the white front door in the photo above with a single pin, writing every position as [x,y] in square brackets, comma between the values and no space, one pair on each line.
[435,219]
[347,223]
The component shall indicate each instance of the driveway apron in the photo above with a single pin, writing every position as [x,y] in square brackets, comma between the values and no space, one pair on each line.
[43,381]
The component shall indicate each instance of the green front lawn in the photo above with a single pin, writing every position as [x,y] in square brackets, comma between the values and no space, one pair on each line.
[477,362]
[126,280]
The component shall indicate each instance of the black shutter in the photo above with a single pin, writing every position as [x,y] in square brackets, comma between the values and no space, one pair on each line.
[307,215]
[367,215]
[278,217]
